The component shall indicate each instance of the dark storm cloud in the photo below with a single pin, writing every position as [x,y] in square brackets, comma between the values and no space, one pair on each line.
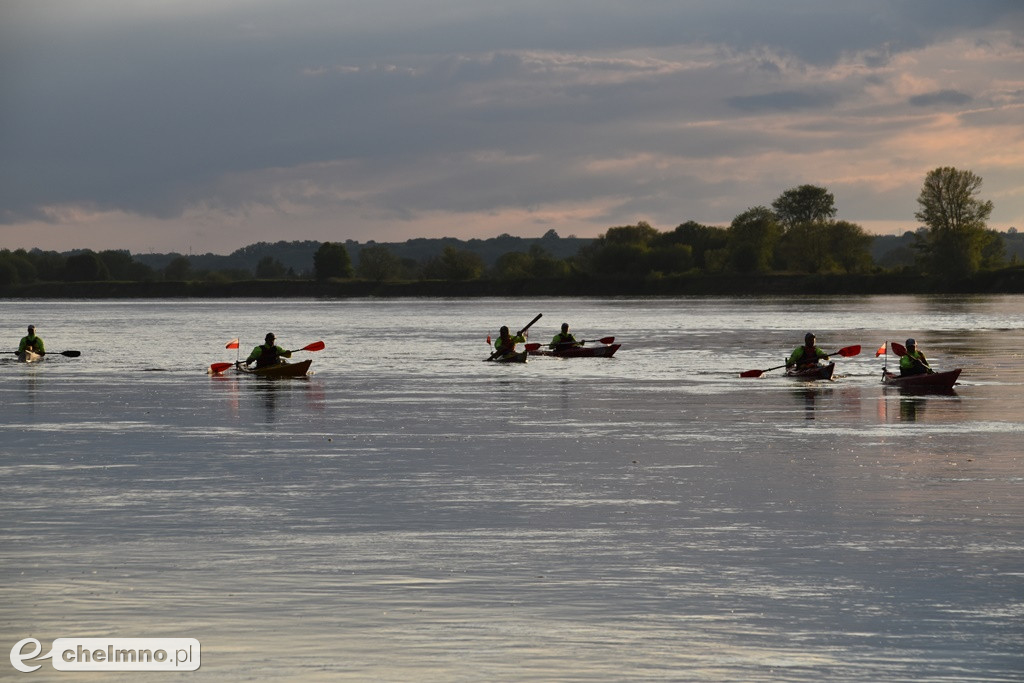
[940,97]
[783,101]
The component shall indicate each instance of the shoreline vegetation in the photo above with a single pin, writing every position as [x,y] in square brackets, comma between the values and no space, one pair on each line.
[1003,281]
[795,247]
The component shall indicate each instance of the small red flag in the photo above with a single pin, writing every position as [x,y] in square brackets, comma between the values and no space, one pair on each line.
[233,344]
[488,339]
[881,350]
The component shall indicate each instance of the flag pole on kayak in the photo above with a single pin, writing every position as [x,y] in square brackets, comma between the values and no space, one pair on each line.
[845,352]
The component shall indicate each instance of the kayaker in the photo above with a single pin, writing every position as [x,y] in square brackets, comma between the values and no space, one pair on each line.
[31,342]
[268,353]
[913,361]
[563,339]
[505,344]
[806,356]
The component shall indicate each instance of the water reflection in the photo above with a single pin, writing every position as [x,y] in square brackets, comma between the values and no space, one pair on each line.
[915,402]
[30,387]
[267,395]
[809,396]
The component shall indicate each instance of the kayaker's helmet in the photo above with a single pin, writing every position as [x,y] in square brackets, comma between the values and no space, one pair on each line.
[269,338]
[911,344]
[809,338]
[565,327]
[503,331]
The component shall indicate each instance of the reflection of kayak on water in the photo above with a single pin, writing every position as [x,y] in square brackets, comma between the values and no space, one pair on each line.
[930,380]
[279,370]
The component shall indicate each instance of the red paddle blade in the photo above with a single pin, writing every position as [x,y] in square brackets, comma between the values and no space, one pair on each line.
[218,368]
[606,340]
[898,349]
[533,346]
[315,346]
[752,373]
[848,351]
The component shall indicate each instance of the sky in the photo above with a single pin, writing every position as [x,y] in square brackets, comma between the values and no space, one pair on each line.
[202,126]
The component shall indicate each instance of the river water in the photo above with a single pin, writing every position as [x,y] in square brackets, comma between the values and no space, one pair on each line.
[409,512]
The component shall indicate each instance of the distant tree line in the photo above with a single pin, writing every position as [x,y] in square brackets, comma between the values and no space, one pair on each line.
[798,234]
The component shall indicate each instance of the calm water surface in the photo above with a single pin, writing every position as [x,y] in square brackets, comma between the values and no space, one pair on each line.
[411,513]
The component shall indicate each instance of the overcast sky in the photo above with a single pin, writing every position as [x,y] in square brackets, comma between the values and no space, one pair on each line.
[207,125]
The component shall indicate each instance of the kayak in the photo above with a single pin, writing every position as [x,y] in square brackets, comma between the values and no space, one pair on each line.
[934,380]
[279,370]
[580,351]
[511,358]
[30,357]
[816,372]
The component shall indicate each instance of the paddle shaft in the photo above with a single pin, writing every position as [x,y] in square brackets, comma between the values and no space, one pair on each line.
[845,352]
[69,354]
[603,340]
[901,350]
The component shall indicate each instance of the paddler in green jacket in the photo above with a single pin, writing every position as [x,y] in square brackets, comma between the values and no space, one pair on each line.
[31,342]
[913,361]
[268,353]
[564,339]
[505,344]
[806,356]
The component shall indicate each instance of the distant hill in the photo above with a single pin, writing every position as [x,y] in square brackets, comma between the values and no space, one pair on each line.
[298,256]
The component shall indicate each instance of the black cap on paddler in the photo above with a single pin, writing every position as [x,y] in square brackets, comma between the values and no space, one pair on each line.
[565,327]
[269,338]
[31,328]
[809,337]
[911,342]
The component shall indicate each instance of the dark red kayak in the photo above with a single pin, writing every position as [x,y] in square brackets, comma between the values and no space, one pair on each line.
[579,351]
[932,380]
[816,372]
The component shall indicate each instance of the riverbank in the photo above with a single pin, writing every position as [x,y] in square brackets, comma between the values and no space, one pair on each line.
[1004,281]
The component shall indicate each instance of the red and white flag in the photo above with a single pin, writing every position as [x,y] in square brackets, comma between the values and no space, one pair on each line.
[233,344]
[881,350]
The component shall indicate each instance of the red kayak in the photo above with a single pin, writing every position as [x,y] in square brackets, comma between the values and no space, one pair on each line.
[931,380]
[579,351]
[816,372]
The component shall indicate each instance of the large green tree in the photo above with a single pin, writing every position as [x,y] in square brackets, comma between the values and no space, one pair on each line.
[753,236]
[955,218]
[454,264]
[805,204]
[378,263]
[85,267]
[850,246]
[331,260]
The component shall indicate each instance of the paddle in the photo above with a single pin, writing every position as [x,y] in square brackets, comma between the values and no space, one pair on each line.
[315,346]
[845,352]
[217,368]
[69,354]
[901,350]
[498,352]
